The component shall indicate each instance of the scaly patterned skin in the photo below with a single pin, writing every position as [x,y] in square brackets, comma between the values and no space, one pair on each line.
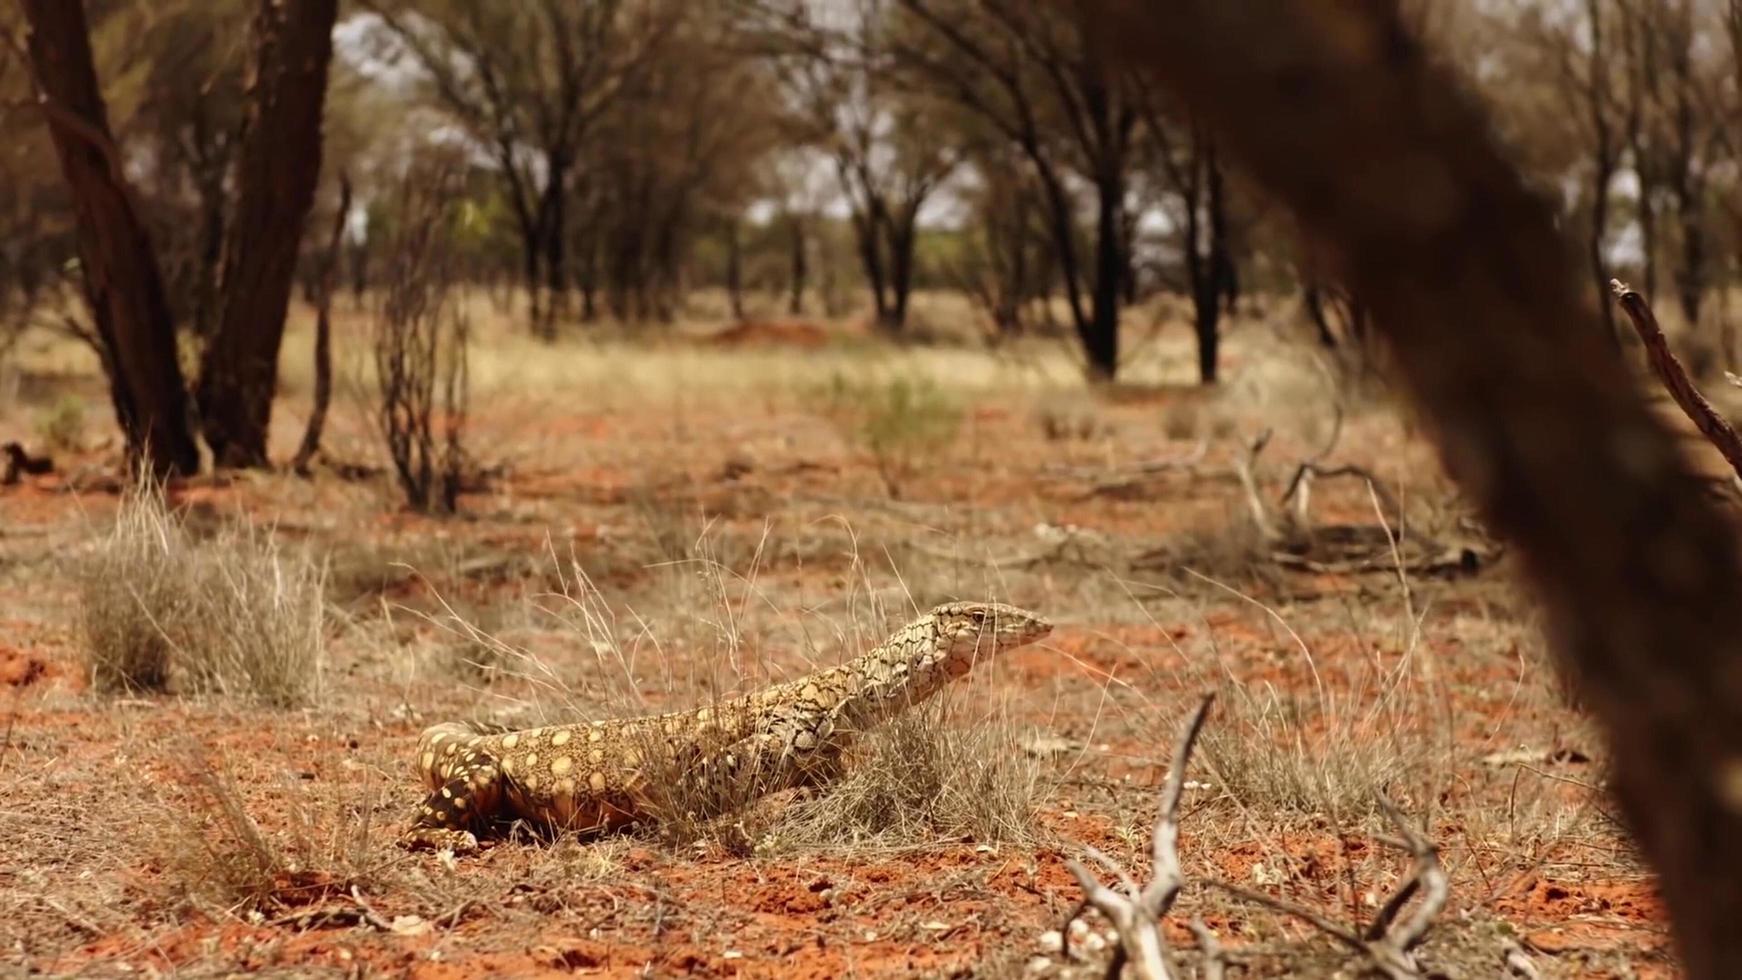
[598,777]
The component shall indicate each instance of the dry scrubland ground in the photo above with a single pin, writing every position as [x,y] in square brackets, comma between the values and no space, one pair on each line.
[678,518]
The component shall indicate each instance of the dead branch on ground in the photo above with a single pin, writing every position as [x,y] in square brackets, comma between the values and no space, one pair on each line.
[1300,488]
[1717,430]
[1136,913]
[1246,470]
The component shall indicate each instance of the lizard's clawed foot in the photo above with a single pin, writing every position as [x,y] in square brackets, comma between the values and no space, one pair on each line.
[439,839]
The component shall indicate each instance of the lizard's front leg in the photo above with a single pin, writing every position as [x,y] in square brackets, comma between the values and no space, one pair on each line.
[468,794]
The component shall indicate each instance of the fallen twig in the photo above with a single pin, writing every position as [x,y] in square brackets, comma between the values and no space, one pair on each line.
[1246,470]
[1300,487]
[1136,913]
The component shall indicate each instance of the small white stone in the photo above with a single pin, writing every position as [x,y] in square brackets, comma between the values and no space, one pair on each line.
[1039,966]
[1052,940]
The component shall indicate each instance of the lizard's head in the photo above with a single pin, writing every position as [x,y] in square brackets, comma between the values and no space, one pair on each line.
[976,629]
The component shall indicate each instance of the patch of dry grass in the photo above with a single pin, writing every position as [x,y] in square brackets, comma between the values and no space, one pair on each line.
[231,614]
[921,779]
[221,860]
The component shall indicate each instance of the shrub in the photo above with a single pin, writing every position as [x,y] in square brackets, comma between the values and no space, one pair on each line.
[421,343]
[902,423]
[233,614]
[62,425]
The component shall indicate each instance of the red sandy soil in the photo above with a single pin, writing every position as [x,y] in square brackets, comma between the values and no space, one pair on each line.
[1124,664]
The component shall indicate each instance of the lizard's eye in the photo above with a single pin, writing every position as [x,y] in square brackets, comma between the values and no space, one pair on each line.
[978,616]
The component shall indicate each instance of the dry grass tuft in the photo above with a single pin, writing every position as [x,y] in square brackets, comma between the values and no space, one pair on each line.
[221,859]
[159,610]
[1278,753]
[918,780]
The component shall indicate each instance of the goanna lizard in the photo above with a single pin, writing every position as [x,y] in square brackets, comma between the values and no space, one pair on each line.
[600,776]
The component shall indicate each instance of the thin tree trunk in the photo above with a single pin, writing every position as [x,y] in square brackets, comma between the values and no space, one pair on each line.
[867,230]
[800,269]
[531,251]
[901,244]
[359,271]
[1594,243]
[327,282]
[555,238]
[734,268]
[279,169]
[123,284]
[1101,343]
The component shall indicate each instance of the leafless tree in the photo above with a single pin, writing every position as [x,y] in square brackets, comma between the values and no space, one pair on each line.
[1035,75]
[1191,167]
[529,81]
[880,139]
[420,342]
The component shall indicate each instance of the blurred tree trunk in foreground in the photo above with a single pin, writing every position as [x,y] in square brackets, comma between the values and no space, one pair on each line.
[1338,111]
[122,281]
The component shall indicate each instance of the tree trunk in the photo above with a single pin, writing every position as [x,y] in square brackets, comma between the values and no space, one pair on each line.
[901,244]
[734,268]
[279,169]
[800,266]
[1691,289]
[1339,112]
[212,207]
[121,278]
[1594,244]
[555,221]
[326,283]
[1101,341]
[868,232]
[359,271]
[531,250]
[589,277]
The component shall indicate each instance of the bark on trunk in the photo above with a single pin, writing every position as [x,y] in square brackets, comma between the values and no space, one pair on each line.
[279,168]
[1337,109]
[123,283]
